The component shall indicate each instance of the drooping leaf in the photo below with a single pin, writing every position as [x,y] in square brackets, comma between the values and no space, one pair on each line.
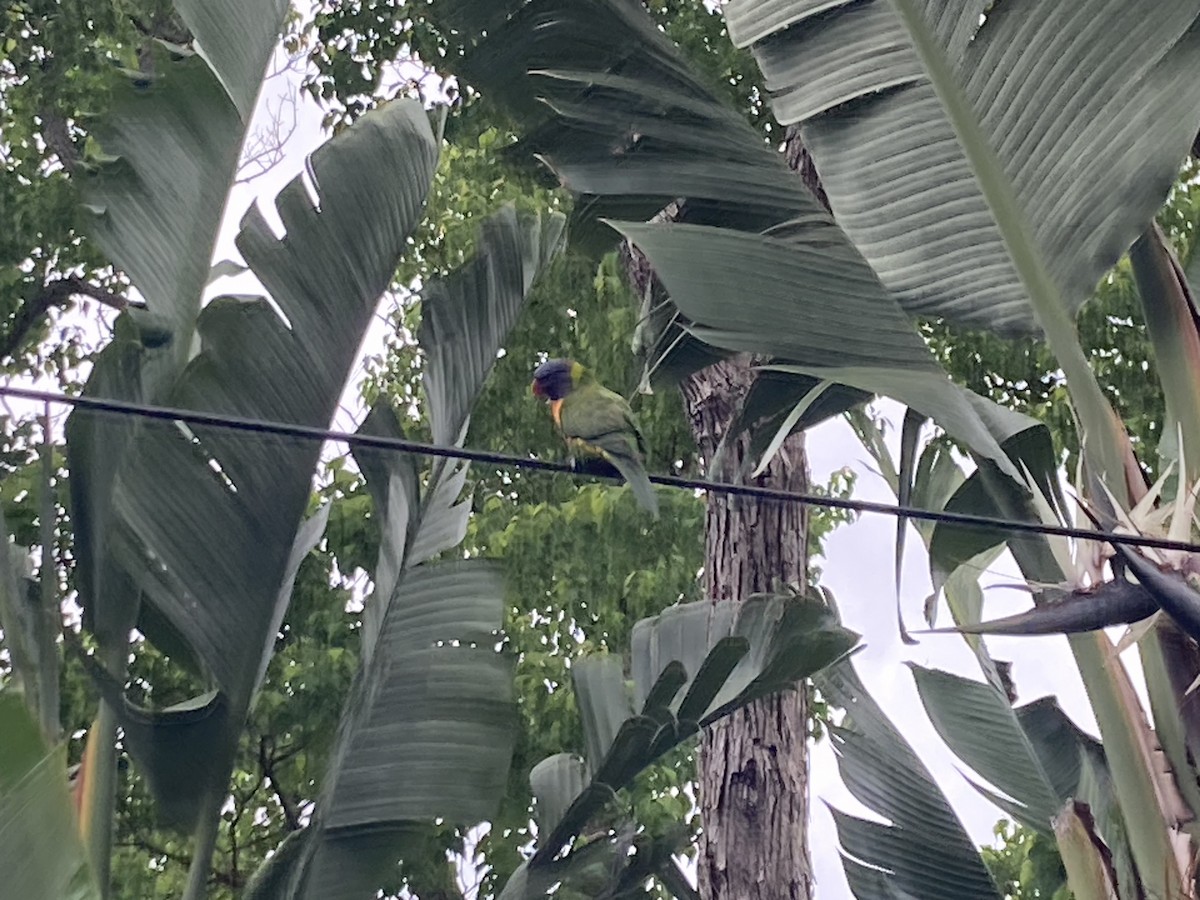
[925,852]
[977,722]
[603,98]
[691,665]
[823,311]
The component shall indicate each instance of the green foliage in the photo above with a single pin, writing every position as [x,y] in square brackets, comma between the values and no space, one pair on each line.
[58,62]
[1025,865]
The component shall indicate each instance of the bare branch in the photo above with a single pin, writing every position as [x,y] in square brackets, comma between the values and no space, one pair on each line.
[54,293]
[264,148]
[147,845]
[58,138]
[266,762]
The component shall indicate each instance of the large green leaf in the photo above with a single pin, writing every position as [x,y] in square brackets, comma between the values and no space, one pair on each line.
[603,98]
[180,748]
[40,853]
[924,852]
[201,523]
[429,727]
[807,303]
[691,665]
[981,727]
[955,138]
[173,141]
[465,316]
[237,39]
[325,275]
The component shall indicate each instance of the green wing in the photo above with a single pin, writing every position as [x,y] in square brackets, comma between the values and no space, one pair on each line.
[599,417]
[604,424]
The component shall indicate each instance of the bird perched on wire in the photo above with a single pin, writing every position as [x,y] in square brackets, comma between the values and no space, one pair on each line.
[595,423]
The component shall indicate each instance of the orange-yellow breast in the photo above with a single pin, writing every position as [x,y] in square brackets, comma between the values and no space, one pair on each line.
[556,411]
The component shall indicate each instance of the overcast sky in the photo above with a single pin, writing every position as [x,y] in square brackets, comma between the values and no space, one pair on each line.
[857,568]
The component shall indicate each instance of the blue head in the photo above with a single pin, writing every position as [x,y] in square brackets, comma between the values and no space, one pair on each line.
[556,378]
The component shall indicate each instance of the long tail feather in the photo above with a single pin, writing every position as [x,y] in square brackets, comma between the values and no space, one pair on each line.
[639,481]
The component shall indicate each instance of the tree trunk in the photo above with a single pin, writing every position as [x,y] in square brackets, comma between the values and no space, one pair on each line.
[754,764]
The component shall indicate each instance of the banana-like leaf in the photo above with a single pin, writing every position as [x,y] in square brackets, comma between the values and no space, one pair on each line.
[691,665]
[774,395]
[961,143]
[603,98]
[981,727]
[575,97]
[910,436]
[325,275]
[429,728]
[175,137]
[462,314]
[1035,754]
[985,492]
[197,525]
[179,747]
[603,701]
[925,852]
[40,852]
[1169,310]
[806,303]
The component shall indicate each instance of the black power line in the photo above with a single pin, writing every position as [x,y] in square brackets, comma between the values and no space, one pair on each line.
[401,445]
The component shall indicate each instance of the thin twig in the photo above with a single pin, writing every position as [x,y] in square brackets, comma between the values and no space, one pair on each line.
[267,763]
[55,293]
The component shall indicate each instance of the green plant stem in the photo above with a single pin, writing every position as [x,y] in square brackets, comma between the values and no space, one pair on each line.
[1171,326]
[205,843]
[1122,730]
[102,788]
[1101,439]
[47,620]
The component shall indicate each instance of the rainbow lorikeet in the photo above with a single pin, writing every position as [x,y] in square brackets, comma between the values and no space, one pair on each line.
[596,423]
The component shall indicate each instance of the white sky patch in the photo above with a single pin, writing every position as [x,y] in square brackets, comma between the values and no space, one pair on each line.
[865,594]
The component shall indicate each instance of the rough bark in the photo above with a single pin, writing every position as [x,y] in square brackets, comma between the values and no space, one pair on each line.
[754,764]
